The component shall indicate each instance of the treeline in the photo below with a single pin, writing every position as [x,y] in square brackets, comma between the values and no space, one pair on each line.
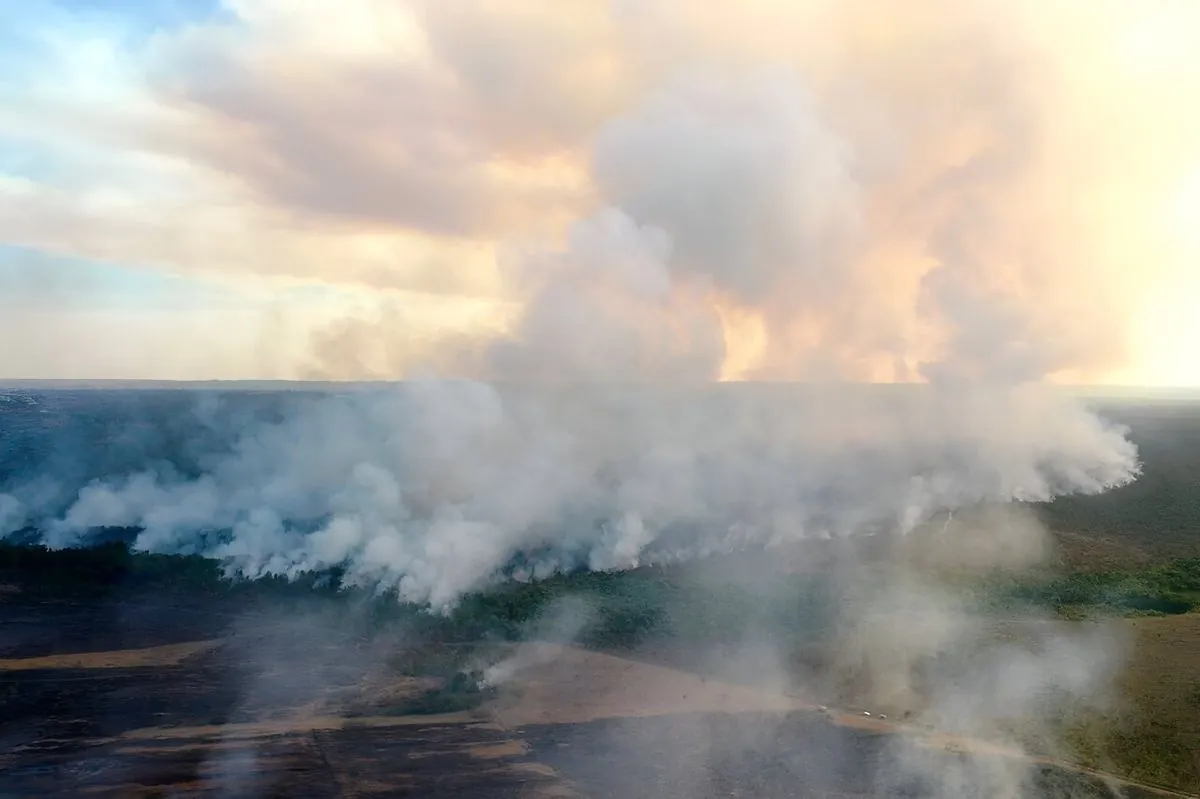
[615,610]
[113,567]
[603,609]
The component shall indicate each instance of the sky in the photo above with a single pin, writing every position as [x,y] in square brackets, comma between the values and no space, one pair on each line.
[868,190]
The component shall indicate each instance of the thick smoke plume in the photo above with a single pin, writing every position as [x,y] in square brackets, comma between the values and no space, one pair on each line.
[747,221]
[601,446]
[435,487]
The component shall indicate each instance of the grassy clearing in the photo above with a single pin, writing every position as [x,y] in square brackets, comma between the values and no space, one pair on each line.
[1152,734]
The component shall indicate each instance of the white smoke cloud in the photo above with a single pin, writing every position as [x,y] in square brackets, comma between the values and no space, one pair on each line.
[435,487]
[750,181]
[608,309]
[725,187]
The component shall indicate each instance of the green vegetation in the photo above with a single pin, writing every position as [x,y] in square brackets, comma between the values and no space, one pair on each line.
[618,609]
[463,691]
[1161,589]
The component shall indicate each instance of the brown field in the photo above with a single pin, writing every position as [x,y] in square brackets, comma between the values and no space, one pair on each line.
[566,685]
[569,723]
[270,705]
[166,655]
[1153,733]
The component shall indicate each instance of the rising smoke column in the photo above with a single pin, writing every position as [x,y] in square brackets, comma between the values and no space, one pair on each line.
[605,444]
[887,210]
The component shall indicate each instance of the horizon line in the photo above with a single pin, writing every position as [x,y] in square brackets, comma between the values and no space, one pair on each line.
[98,383]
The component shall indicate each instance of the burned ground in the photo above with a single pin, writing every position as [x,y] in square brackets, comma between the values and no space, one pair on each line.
[183,723]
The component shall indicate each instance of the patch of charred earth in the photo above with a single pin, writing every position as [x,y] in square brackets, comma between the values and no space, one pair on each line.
[437,760]
[53,709]
[175,729]
[40,706]
[33,624]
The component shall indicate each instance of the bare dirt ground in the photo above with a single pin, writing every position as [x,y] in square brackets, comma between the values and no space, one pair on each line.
[557,684]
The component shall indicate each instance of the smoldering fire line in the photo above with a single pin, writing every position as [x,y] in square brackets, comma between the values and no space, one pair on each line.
[433,488]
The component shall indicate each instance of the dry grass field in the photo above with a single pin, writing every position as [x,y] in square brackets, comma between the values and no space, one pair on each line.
[1153,732]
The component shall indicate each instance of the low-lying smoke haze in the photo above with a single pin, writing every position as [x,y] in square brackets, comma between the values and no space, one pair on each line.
[437,488]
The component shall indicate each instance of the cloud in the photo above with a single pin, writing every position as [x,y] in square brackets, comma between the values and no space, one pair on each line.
[907,175]
[410,120]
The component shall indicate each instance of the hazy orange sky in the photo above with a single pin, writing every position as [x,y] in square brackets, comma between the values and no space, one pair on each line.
[866,189]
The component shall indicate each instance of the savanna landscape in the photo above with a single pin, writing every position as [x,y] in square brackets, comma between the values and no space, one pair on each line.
[126,673]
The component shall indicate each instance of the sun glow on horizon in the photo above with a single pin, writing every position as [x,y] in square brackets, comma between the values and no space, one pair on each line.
[1166,336]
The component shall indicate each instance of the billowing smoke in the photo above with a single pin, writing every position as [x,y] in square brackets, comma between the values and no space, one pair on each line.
[601,446]
[435,487]
[745,224]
